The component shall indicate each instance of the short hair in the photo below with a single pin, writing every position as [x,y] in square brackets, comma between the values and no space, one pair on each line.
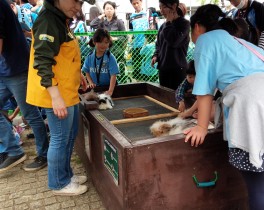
[99,35]
[167,3]
[191,68]
[94,12]
[132,0]
[11,2]
[243,28]
[113,4]
[212,17]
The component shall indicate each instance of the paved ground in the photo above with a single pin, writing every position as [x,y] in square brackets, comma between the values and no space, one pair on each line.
[27,190]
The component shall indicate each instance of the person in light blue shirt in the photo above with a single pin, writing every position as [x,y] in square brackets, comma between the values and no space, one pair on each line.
[26,19]
[150,73]
[138,21]
[25,4]
[100,66]
[225,62]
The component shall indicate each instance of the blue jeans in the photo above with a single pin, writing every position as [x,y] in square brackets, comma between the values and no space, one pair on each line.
[62,136]
[17,86]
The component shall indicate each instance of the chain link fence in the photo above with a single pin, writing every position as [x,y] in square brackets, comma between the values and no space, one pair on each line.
[133,51]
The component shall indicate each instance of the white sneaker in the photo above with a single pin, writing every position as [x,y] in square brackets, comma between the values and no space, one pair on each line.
[71,189]
[79,179]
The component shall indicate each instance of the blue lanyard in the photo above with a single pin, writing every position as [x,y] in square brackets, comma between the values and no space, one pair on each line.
[98,70]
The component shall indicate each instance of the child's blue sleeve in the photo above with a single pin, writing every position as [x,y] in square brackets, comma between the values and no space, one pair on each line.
[113,67]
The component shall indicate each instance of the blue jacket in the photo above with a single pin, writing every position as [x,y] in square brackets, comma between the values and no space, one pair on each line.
[15,53]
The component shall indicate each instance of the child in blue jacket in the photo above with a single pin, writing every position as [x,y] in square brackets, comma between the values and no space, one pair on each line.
[100,66]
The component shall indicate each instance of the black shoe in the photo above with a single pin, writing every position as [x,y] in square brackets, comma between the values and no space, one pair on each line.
[38,163]
[3,156]
[11,162]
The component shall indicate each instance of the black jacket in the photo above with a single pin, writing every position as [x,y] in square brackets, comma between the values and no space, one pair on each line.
[172,44]
[15,53]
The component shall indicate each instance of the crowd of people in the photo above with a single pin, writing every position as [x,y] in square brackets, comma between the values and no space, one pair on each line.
[228,58]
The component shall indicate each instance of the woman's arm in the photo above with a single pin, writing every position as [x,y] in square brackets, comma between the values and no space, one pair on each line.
[58,104]
[197,134]
[112,85]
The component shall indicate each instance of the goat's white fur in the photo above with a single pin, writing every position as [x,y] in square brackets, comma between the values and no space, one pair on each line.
[172,126]
[105,101]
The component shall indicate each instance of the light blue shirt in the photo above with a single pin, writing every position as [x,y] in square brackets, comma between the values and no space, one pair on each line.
[140,23]
[109,67]
[26,16]
[220,60]
[147,51]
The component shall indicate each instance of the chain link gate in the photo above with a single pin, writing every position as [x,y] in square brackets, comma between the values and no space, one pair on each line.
[133,51]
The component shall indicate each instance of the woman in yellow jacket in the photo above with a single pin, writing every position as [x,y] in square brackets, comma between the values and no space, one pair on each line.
[53,82]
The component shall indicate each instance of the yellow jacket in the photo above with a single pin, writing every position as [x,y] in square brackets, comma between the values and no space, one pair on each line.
[54,60]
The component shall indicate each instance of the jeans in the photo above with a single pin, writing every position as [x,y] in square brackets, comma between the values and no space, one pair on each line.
[17,86]
[62,136]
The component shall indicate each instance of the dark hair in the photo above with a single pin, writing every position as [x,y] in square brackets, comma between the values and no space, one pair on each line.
[243,28]
[113,4]
[80,16]
[191,68]
[94,12]
[10,2]
[132,0]
[99,35]
[211,17]
[182,9]
[169,3]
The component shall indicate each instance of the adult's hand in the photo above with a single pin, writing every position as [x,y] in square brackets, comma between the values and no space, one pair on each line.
[153,61]
[58,104]
[83,83]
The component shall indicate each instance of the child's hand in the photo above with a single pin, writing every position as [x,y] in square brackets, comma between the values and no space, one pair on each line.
[196,135]
[181,107]
[11,117]
[27,33]
[108,92]
[185,114]
[91,86]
